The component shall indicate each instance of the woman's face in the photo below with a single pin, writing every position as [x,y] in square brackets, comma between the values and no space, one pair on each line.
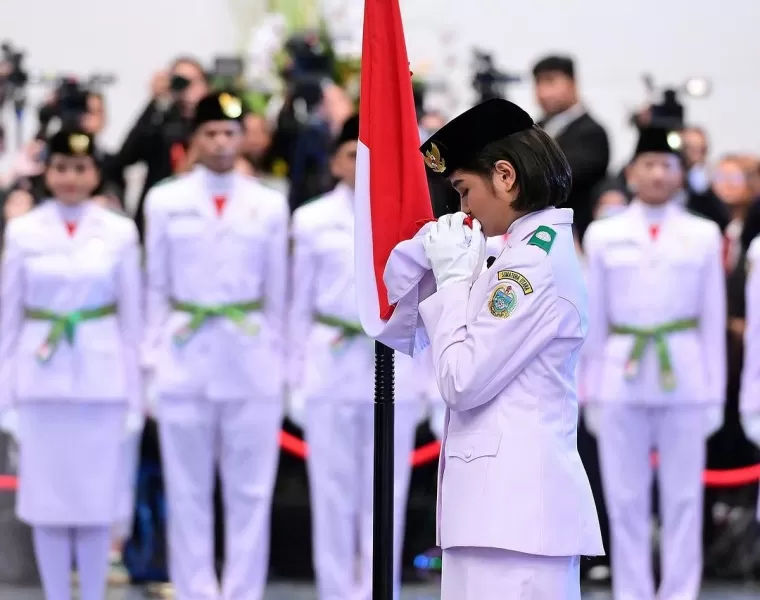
[488,198]
[730,184]
[71,179]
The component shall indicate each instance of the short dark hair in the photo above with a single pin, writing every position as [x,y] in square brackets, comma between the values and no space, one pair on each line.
[555,64]
[193,62]
[543,174]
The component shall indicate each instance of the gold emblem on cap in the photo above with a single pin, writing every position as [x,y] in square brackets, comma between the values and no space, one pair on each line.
[674,140]
[79,143]
[232,107]
[433,159]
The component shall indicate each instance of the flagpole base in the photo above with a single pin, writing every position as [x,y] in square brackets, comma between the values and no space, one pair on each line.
[382,554]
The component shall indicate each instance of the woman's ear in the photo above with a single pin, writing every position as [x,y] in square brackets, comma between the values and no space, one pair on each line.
[505,175]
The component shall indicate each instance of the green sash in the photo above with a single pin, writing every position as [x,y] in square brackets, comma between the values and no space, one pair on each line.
[235,312]
[64,325]
[657,335]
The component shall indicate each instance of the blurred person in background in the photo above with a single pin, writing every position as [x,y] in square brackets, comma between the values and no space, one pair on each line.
[655,369]
[695,153]
[331,370]
[70,384]
[257,142]
[729,448]
[582,139]
[752,221]
[160,137]
[216,271]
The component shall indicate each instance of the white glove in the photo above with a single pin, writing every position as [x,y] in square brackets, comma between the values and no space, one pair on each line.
[438,420]
[592,418]
[456,251]
[296,407]
[135,423]
[751,427]
[714,419]
[9,423]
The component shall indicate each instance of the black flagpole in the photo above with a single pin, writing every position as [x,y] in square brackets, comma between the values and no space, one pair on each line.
[382,548]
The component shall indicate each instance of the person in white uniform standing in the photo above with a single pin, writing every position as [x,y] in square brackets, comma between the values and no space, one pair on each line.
[70,379]
[332,370]
[216,246]
[515,510]
[655,369]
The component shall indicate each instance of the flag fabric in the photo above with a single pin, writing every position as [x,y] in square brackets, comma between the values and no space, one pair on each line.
[392,200]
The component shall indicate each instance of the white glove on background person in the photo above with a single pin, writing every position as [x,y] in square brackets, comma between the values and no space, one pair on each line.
[714,417]
[592,418]
[751,427]
[9,423]
[438,420]
[456,251]
[135,423]
[296,407]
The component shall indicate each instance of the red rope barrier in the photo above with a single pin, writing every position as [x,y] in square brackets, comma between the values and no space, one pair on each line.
[428,453]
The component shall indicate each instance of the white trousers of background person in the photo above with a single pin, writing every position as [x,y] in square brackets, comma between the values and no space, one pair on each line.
[496,574]
[627,434]
[340,467]
[242,438]
[54,548]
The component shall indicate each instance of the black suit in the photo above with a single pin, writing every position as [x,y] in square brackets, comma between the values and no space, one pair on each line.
[585,144]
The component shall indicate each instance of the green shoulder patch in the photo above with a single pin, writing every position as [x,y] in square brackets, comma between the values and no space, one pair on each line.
[518,278]
[543,237]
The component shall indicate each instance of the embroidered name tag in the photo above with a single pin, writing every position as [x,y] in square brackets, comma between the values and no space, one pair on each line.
[518,278]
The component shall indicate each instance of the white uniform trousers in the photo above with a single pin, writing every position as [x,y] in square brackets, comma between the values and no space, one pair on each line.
[340,467]
[242,438]
[496,574]
[627,434]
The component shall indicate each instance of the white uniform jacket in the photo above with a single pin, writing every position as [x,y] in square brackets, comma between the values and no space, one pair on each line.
[89,287]
[505,352]
[674,284]
[237,260]
[327,361]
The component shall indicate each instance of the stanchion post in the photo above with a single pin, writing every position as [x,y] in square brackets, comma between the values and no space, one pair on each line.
[382,547]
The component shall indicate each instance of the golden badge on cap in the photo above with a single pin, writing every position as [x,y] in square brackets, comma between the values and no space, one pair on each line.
[675,141]
[79,143]
[433,159]
[232,107]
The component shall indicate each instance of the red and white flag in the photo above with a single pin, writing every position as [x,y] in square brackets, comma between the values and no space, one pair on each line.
[392,200]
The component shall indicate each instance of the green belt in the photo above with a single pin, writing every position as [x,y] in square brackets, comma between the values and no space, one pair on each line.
[348,330]
[64,325]
[642,337]
[236,312]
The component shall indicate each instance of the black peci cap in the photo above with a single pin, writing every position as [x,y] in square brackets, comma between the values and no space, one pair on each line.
[657,139]
[71,142]
[219,106]
[459,140]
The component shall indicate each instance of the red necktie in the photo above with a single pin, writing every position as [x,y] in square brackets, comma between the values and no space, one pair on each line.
[71,227]
[220,202]
[653,231]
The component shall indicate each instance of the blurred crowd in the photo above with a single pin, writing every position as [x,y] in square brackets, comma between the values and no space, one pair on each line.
[289,143]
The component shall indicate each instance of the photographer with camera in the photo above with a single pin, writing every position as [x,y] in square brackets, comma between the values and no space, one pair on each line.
[160,137]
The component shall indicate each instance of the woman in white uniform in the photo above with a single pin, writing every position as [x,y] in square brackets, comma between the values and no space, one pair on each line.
[70,386]
[515,510]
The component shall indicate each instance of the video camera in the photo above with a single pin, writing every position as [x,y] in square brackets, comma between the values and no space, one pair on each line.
[69,103]
[309,64]
[489,82]
[669,112]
